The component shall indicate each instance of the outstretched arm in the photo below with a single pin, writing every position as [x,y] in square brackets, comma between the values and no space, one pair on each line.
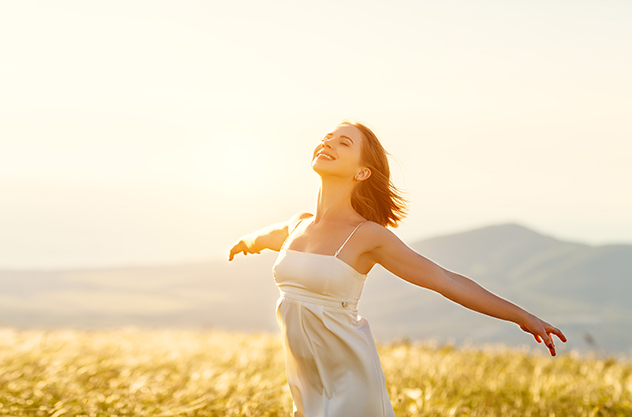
[271,237]
[402,261]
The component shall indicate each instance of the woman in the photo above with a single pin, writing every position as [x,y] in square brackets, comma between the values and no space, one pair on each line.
[333,368]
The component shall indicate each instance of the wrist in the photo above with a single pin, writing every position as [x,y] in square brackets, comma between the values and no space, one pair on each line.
[523,317]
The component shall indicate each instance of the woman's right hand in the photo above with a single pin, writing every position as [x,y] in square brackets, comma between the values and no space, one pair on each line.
[242,247]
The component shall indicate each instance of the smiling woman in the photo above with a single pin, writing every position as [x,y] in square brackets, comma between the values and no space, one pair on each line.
[332,364]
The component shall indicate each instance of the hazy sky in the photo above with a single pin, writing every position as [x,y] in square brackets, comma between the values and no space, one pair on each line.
[160,131]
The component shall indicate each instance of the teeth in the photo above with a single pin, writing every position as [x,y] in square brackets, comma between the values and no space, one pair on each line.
[326,156]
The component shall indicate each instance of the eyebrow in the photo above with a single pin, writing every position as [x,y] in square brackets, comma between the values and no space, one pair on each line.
[342,136]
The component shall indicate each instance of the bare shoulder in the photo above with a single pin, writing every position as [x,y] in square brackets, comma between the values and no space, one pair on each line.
[382,246]
[375,236]
[296,219]
[273,236]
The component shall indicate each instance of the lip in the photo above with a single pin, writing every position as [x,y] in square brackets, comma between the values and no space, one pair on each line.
[326,156]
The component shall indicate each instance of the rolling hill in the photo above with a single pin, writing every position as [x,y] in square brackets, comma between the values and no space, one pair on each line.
[584,290]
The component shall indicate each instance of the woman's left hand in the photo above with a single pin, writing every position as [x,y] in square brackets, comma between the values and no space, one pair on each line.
[542,331]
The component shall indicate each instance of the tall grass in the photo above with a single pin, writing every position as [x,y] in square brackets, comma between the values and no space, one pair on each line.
[187,373]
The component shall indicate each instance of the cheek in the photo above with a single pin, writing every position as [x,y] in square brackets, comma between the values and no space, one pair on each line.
[353,157]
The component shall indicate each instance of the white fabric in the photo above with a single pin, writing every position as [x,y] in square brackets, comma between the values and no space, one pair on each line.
[333,368]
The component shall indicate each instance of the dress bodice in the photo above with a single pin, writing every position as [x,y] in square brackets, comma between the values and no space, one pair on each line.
[317,275]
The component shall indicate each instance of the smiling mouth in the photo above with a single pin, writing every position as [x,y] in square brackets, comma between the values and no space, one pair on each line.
[324,155]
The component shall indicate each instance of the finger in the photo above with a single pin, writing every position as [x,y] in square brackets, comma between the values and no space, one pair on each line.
[537,338]
[549,343]
[557,332]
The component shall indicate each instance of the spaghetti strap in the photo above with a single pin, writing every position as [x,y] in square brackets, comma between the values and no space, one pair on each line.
[289,234]
[345,242]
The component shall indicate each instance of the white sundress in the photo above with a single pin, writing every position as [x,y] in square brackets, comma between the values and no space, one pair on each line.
[333,368]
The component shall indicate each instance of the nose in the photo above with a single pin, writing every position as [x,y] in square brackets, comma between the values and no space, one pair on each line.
[325,143]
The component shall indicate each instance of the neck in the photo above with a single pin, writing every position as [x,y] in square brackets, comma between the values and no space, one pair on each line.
[334,200]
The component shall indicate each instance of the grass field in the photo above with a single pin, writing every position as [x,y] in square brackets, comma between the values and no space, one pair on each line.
[187,373]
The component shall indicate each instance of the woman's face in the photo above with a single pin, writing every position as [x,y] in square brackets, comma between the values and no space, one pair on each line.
[339,153]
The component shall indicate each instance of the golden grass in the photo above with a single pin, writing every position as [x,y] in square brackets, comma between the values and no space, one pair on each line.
[188,373]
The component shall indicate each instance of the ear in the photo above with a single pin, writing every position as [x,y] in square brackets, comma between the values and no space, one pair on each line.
[364,174]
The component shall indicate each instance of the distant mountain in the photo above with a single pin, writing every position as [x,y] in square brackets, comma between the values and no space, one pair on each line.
[584,290]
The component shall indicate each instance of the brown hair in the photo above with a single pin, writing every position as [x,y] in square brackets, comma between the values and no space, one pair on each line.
[376,198]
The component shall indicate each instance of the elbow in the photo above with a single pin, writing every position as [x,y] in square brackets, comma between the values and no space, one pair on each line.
[438,279]
[446,284]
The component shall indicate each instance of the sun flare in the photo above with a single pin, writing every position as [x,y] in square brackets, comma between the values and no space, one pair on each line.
[234,160]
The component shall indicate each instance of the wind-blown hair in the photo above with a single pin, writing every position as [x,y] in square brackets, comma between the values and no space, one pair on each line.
[376,198]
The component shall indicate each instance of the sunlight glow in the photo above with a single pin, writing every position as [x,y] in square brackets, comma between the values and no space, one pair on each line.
[234,160]
[121,121]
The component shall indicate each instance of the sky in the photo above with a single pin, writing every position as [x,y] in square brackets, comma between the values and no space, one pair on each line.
[142,132]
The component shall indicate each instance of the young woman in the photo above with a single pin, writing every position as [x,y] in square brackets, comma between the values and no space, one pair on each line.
[333,368]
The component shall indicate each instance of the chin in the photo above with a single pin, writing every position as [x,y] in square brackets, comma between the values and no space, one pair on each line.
[324,172]
[321,170]
[317,169]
